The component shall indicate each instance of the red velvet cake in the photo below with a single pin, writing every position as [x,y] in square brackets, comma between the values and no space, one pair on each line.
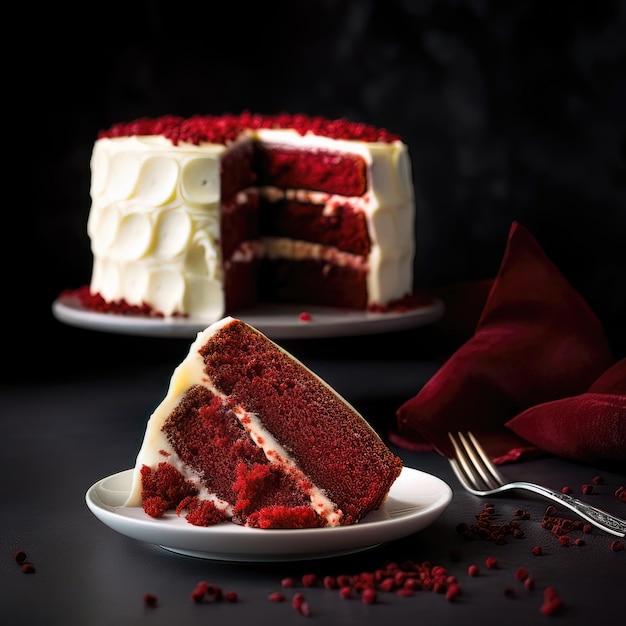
[247,433]
[208,215]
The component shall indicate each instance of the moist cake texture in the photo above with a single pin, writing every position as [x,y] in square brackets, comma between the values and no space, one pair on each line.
[247,433]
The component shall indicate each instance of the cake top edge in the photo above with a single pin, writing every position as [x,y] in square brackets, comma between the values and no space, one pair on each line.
[225,129]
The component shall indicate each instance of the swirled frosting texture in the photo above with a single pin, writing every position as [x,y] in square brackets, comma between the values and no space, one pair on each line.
[154,225]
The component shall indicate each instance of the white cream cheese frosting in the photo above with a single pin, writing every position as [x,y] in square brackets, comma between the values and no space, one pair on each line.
[154,221]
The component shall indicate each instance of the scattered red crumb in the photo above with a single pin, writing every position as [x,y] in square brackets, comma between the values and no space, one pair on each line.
[329,582]
[552,602]
[28,568]
[473,570]
[309,580]
[616,545]
[537,551]
[550,593]
[487,529]
[597,480]
[453,591]
[563,527]
[209,592]
[368,596]
[579,542]
[345,592]
[276,596]
[344,580]
[150,600]
[305,317]
[300,604]
[197,595]
[509,592]
[288,582]
[587,489]
[620,493]
[491,562]
[552,607]
[529,583]
[19,556]
[521,573]
[231,596]
[566,490]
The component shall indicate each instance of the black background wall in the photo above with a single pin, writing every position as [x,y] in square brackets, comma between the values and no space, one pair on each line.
[512,111]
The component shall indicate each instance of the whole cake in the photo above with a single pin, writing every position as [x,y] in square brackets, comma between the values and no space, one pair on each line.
[208,215]
[247,433]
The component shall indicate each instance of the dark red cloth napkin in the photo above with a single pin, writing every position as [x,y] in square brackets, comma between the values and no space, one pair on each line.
[537,376]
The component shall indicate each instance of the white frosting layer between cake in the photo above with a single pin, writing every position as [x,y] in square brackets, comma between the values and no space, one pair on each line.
[190,372]
[154,222]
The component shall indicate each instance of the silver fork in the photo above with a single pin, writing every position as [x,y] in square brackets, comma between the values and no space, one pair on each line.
[479,476]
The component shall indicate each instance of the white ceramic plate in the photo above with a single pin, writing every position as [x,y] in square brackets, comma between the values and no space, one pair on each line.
[415,501]
[277,321]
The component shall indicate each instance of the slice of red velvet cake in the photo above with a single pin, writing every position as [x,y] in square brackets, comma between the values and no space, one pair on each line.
[247,433]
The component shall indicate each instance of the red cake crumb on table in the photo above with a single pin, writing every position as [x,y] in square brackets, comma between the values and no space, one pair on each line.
[19,556]
[150,600]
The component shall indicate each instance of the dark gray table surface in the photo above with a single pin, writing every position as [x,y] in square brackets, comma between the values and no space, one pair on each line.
[61,435]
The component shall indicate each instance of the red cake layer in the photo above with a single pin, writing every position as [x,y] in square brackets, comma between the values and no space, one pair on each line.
[343,228]
[332,444]
[237,171]
[241,283]
[313,282]
[315,170]
[239,221]
[208,438]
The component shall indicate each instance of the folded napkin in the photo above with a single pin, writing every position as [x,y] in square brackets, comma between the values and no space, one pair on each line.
[537,376]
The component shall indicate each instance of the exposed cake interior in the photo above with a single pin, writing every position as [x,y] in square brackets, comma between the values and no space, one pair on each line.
[247,433]
[208,215]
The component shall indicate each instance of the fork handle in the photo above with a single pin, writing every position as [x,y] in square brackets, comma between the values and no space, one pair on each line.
[598,517]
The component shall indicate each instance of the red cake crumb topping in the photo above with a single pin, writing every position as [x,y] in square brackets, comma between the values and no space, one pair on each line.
[224,129]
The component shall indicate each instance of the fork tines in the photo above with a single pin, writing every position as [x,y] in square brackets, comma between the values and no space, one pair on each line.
[471,459]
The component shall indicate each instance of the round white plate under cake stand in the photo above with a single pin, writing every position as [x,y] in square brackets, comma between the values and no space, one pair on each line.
[277,321]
